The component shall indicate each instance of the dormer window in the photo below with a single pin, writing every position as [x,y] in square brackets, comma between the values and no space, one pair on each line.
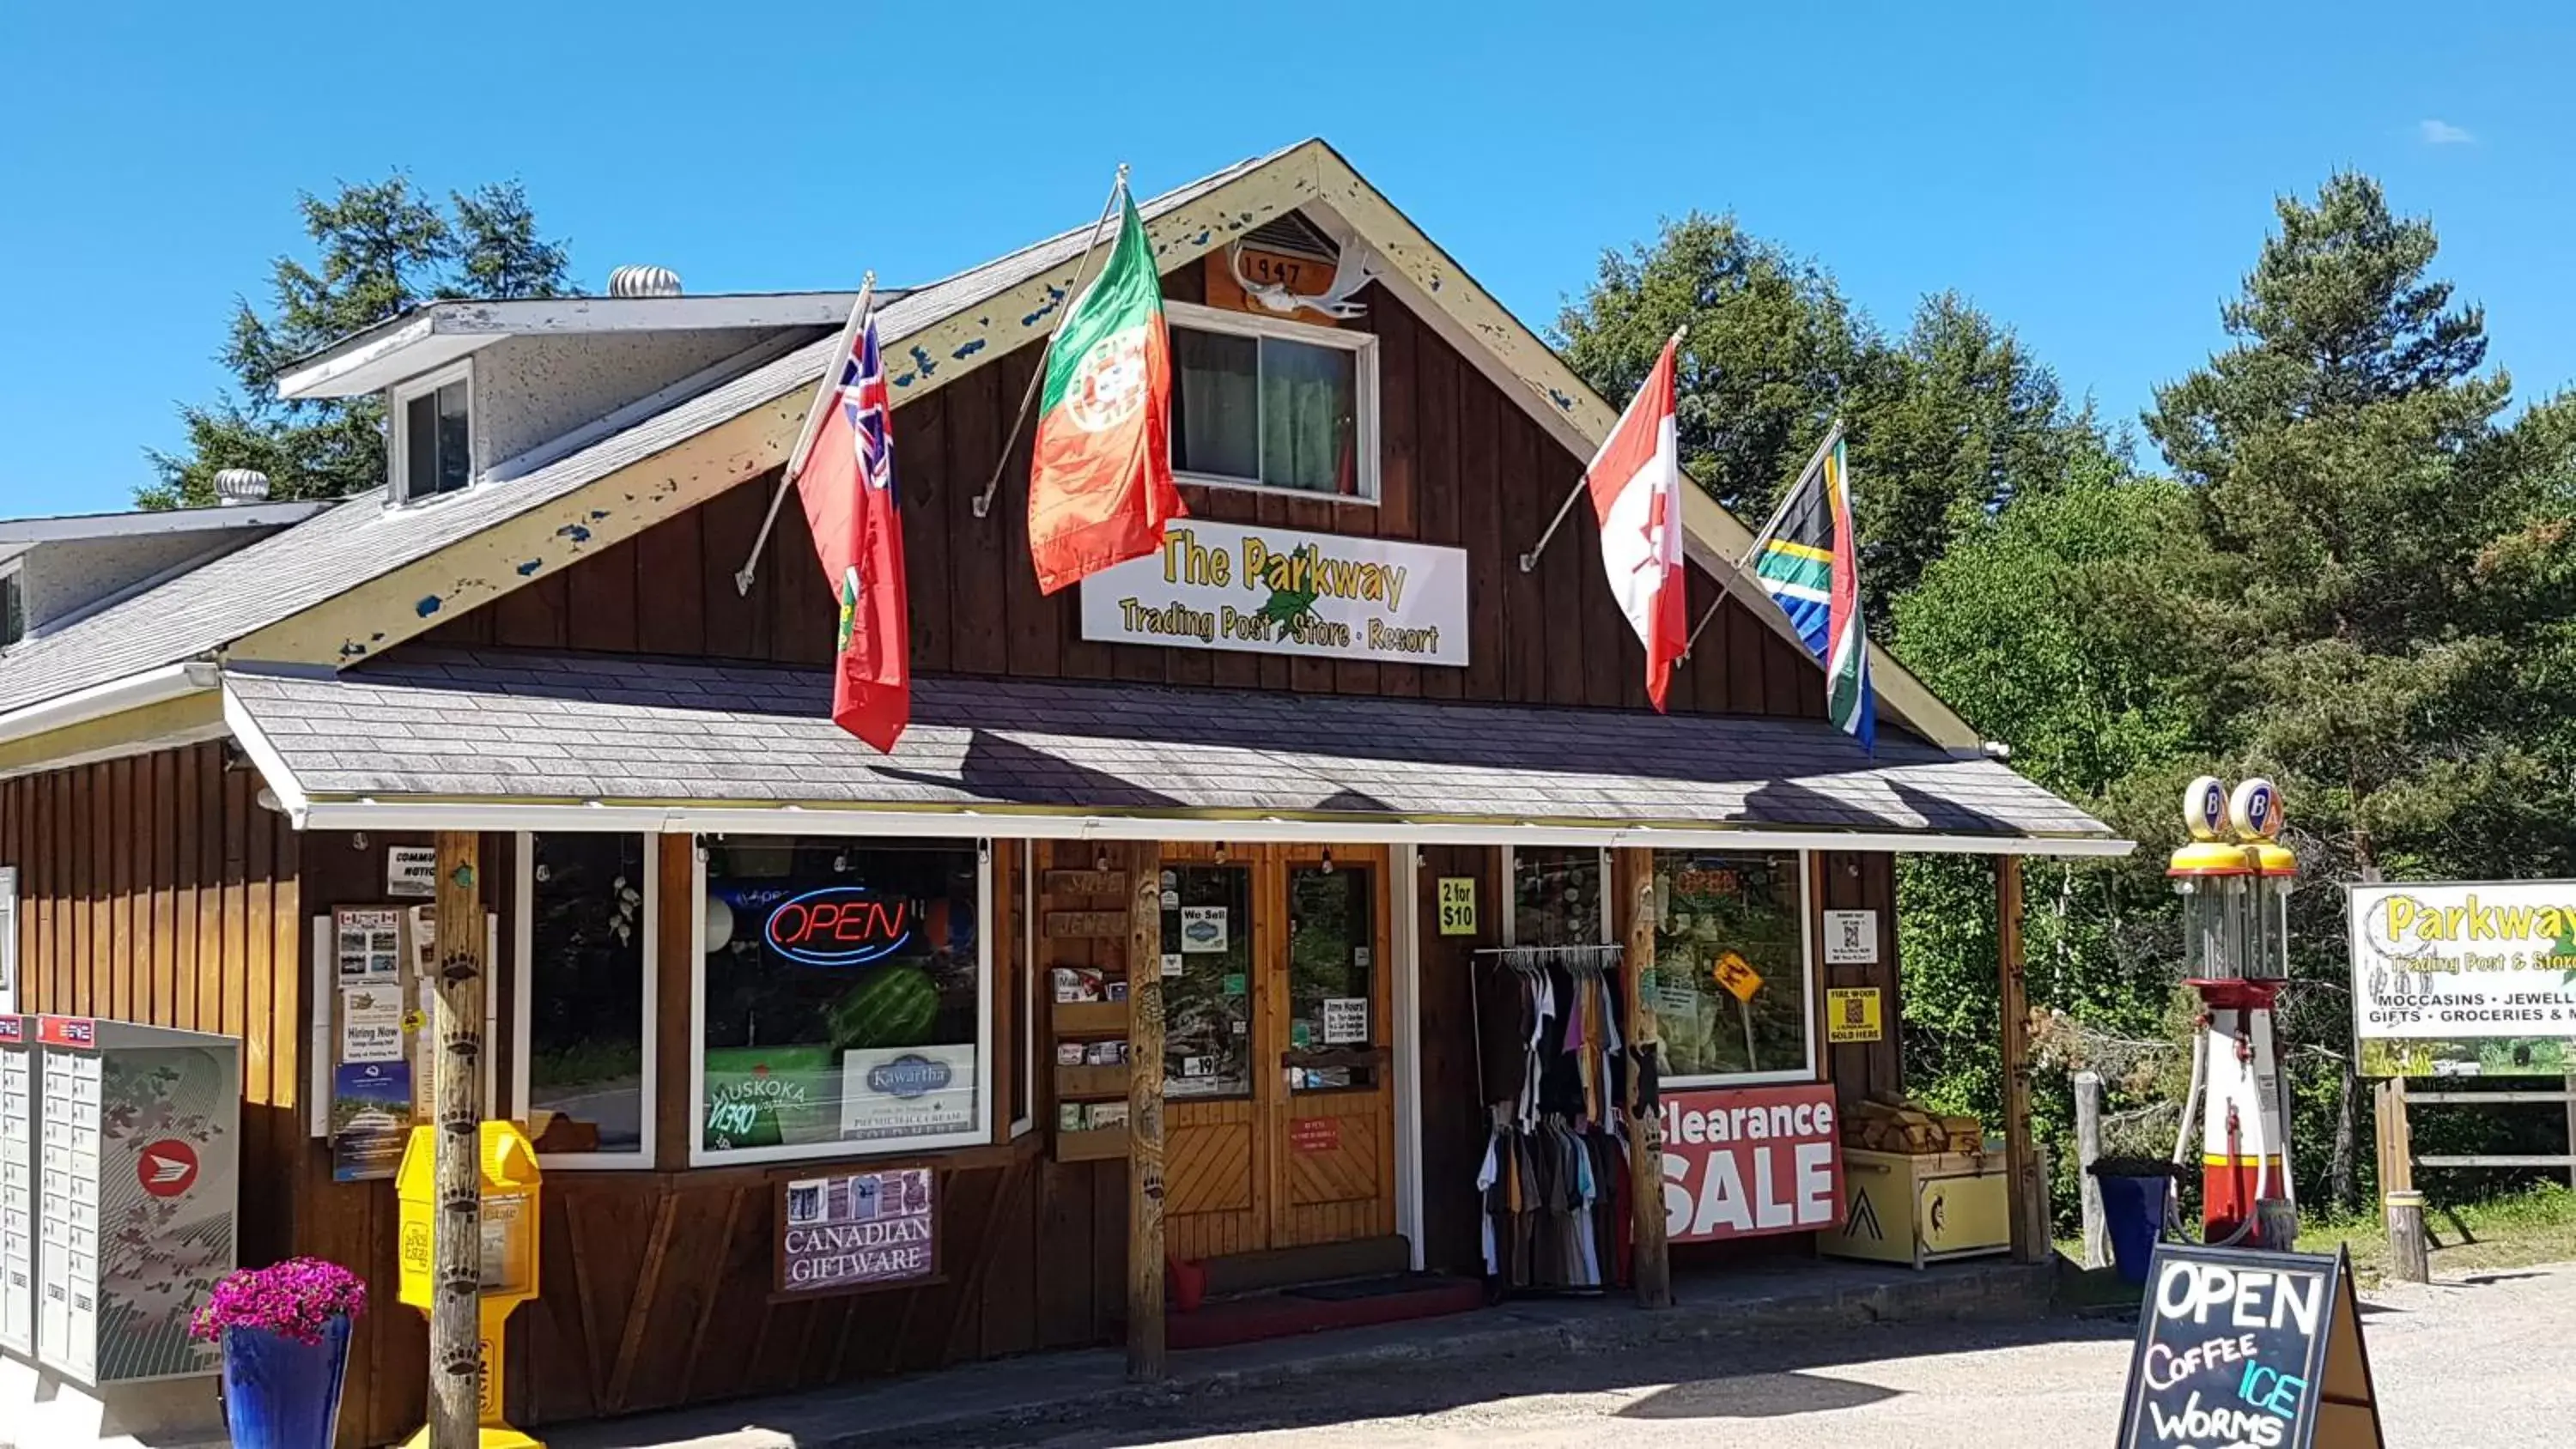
[13,604]
[432,439]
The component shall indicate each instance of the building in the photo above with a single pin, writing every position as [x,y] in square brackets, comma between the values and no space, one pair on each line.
[739,956]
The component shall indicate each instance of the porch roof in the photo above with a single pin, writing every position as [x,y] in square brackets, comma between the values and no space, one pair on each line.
[504,738]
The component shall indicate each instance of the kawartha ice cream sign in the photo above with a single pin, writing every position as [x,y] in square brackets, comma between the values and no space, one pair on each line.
[1282,591]
[2464,960]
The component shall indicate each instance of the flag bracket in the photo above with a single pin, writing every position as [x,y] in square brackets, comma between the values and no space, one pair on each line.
[1072,294]
[742,577]
[1529,560]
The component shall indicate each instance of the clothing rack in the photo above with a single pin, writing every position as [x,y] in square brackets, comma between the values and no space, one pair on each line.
[1581,960]
[1553,1182]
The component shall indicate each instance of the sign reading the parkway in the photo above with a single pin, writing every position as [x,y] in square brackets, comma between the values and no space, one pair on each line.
[1281,591]
[2465,979]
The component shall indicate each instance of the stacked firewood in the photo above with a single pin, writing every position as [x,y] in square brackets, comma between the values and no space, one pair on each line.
[1893,1122]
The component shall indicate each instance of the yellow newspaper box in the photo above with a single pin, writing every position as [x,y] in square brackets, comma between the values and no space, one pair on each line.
[509,1164]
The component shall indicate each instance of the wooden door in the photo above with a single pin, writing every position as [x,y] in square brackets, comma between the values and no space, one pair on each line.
[1279,1123]
[1331,1121]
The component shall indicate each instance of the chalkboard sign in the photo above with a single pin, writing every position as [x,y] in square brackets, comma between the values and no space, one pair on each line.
[2238,1347]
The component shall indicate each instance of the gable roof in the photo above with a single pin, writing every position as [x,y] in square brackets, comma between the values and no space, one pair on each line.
[387,574]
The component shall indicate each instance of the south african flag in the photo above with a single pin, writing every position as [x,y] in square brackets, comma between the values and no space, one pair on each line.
[1810,567]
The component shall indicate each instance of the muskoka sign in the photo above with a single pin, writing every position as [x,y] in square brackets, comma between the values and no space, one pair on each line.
[1282,591]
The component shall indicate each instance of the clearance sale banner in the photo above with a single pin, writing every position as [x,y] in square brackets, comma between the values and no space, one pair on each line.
[1741,1164]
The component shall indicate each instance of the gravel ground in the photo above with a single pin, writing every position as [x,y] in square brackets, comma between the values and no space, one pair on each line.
[2488,1360]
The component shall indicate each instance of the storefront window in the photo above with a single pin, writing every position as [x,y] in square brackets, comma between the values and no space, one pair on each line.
[586,1082]
[1556,896]
[842,1008]
[1332,975]
[1207,981]
[1731,964]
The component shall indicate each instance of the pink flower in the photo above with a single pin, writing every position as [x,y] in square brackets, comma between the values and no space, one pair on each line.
[294,1299]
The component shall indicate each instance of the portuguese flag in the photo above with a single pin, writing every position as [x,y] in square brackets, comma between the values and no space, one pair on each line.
[1100,484]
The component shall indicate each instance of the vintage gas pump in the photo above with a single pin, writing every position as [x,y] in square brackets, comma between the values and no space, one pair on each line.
[2235,880]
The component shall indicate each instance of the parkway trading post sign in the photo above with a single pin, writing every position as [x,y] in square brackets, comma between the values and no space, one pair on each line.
[2465,979]
[1280,591]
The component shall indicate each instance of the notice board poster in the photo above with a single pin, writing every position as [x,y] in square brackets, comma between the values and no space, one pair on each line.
[856,1231]
[2254,1348]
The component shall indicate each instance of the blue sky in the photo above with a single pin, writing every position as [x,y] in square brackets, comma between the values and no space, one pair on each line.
[2094,181]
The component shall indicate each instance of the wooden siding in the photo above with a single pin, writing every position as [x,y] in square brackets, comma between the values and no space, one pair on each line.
[155,889]
[1460,464]
[1860,881]
[1454,1124]
[657,1285]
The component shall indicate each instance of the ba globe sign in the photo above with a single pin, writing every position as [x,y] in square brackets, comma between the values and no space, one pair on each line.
[1747,1163]
[1261,590]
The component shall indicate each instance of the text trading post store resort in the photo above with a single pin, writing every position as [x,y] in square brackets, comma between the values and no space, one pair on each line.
[1324,874]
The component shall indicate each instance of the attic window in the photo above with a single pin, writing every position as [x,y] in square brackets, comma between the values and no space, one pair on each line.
[432,435]
[1263,402]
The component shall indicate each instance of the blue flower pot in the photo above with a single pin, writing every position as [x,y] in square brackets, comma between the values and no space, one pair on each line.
[281,1394]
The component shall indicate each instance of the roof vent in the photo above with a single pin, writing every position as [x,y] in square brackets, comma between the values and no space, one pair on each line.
[234,486]
[643,282]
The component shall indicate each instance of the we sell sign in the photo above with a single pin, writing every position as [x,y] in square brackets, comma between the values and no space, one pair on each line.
[1745,1163]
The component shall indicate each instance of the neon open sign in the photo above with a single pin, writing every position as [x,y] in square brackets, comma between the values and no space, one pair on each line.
[838,925]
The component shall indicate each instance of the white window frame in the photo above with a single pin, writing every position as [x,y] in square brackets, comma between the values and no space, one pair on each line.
[523,991]
[1032,1044]
[16,568]
[980,1134]
[1364,378]
[398,431]
[1807,977]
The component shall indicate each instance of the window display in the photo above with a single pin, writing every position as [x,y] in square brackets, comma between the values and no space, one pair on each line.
[1556,896]
[1207,981]
[1332,974]
[589,914]
[842,1008]
[1732,988]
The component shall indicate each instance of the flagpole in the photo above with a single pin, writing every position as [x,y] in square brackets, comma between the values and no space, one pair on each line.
[1072,294]
[813,424]
[1770,525]
[1529,560]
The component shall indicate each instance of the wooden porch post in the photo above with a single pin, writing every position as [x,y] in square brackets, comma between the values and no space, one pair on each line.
[1145,1112]
[456,1246]
[1634,876]
[2028,1193]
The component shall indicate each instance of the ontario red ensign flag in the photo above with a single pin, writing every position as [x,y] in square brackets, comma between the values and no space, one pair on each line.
[1636,484]
[847,485]
[1100,482]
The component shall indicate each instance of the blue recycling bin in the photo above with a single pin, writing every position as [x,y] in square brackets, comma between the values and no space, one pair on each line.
[2133,1211]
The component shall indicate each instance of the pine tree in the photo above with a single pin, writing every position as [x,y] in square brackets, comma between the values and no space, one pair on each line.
[382,248]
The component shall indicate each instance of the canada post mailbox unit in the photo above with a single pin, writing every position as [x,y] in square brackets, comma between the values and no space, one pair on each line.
[509,1216]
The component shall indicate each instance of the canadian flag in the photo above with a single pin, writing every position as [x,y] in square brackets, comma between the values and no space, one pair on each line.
[1636,483]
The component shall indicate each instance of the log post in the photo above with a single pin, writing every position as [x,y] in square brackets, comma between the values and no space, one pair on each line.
[2088,1150]
[456,1245]
[2571,1128]
[1145,1113]
[1652,1260]
[2409,1251]
[2028,1193]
